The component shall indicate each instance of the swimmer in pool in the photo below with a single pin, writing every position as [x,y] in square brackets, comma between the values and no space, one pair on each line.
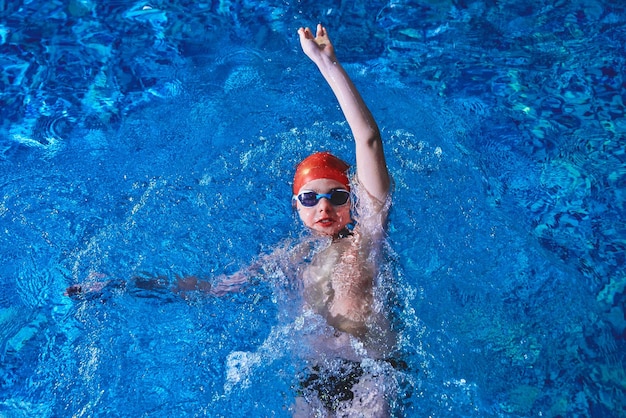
[338,281]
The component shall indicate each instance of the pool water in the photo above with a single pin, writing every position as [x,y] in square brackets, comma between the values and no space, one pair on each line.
[159,139]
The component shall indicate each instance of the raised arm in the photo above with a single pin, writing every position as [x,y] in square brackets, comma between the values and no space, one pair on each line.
[370,159]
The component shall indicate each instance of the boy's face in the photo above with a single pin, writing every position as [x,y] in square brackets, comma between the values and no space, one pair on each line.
[324,218]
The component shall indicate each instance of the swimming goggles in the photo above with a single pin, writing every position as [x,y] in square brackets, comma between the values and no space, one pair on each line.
[337,197]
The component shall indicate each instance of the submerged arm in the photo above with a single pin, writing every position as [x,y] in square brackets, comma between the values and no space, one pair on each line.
[99,286]
[370,159]
[160,287]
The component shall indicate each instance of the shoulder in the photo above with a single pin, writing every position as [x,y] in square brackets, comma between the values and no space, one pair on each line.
[369,212]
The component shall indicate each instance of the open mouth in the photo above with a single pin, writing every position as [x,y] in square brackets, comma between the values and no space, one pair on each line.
[325,222]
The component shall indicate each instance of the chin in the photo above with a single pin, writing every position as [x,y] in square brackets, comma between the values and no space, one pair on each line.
[324,233]
[330,232]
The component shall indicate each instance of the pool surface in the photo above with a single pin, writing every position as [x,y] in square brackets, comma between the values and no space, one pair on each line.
[159,140]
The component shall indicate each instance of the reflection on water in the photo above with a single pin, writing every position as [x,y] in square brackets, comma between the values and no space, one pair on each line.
[122,126]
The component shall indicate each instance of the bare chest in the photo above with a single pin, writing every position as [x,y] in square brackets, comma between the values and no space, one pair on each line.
[338,285]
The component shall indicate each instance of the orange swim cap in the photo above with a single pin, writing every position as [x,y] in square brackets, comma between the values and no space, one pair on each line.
[321,165]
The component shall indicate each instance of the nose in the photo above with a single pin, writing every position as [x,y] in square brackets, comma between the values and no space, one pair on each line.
[324,205]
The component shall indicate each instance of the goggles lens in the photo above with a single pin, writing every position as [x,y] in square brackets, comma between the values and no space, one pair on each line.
[337,197]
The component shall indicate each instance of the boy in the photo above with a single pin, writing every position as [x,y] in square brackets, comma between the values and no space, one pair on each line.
[338,282]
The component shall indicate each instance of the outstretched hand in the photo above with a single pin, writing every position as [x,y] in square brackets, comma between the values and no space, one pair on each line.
[316,47]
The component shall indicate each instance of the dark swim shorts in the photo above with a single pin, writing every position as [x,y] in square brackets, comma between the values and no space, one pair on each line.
[331,383]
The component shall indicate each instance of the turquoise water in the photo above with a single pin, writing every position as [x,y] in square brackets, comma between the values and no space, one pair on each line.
[160,139]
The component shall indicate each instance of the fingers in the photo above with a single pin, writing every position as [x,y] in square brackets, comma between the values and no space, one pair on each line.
[73,290]
[321,31]
[305,33]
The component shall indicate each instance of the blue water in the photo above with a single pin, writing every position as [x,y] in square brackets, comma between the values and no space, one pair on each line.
[159,139]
